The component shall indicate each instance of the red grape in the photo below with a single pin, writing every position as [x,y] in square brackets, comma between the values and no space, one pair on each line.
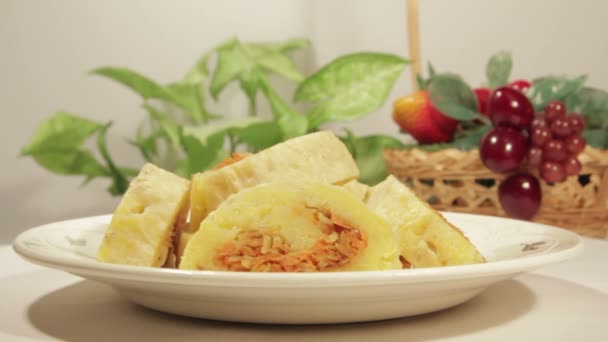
[539,121]
[575,144]
[540,136]
[555,109]
[509,107]
[561,127]
[572,166]
[483,97]
[520,195]
[552,171]
[555,150]
[577,123]
[503,149]
[535,156]
[520,85]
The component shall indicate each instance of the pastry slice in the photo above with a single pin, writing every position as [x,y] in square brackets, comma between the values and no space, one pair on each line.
[142,226]
[357,189]
[319,156]
[292,227]
[425,238]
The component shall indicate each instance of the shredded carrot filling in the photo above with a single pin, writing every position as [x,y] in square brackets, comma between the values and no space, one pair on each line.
[404,262]
[235,157]
[266,252]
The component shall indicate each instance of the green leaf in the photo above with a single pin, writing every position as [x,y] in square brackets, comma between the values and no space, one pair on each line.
[249,84]
[62,131]
[465,140]
[421,82]
[204,146]
[191,100]
[453,97]
[470,139]
[274,61]
[170,129]
[597,137]
[231,63]
[57,145]
[547,89]
[290,122]
[498,69]
[350,140]
[245,61]
[199,72]
[259,135]
[592,103]
[370,156]
[145,87]
[147,144]
[432,72]
[288,45]
[120,182]
[350,86]
[182,168]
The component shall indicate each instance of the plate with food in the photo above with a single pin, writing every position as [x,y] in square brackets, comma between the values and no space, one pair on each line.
[289,236]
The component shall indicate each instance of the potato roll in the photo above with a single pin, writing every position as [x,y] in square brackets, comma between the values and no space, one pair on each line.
[292,227]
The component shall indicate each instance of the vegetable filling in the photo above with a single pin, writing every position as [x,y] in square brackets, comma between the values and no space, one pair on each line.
[260,251]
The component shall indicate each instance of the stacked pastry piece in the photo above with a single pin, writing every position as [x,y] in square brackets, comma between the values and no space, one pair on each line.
[294,207]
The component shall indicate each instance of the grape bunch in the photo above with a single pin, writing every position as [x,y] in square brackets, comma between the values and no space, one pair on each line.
[556,143]
[549,141]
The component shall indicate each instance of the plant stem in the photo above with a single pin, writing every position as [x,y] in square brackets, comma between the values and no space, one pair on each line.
[252,106]
[232,141]
[201,105]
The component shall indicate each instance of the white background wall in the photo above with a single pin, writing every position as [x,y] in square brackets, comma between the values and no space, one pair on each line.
[46,48]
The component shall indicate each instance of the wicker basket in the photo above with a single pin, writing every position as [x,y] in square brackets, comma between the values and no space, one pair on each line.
[455,180]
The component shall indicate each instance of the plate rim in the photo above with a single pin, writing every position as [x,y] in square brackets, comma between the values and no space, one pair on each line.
[85,267]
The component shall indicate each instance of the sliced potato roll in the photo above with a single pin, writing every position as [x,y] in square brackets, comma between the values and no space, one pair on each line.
[357,189]
[319,156]
[142,226]
[425,238]
[292,227]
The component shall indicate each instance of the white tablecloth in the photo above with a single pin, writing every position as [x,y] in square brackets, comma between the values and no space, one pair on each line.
[563,302]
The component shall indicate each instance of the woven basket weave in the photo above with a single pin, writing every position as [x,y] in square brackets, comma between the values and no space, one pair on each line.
[455,180]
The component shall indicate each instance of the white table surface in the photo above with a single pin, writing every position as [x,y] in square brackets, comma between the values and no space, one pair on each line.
[563,302]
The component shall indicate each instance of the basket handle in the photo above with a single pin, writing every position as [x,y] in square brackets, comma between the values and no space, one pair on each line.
[602,196]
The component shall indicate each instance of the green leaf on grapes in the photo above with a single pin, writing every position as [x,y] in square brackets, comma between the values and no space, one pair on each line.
[591,103]
[597,137]
[465,140]
[547,89]
[431,69]
[453,97]
[470,139]
[498,69]
[421,82]
[350,86]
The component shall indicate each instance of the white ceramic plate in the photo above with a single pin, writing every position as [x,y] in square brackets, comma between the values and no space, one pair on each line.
[510,247]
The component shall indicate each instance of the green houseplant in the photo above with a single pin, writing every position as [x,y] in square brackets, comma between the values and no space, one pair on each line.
[182,135]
